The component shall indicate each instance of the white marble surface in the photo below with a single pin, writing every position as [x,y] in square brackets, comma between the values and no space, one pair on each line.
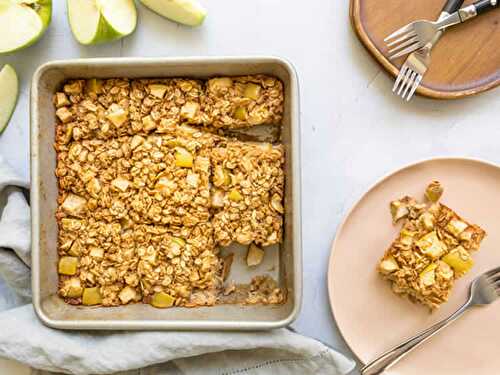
[353,130]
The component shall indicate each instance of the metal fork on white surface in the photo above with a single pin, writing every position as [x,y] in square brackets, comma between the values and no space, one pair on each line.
[418,34]
[416,65]
[484,290]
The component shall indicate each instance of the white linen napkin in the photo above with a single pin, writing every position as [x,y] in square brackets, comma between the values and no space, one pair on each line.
[25,339]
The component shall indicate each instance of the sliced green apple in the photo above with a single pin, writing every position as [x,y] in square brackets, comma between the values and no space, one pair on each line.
[100,21]
[9,87]
[187,12]
[22,23]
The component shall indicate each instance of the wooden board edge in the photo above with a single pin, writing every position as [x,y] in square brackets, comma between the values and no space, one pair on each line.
[355,16]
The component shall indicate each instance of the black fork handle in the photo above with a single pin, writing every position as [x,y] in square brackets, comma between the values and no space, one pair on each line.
[482,6]
[452,6]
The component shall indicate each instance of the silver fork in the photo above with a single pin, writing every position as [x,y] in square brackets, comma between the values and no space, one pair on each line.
[418,34]
[484,290]
[416,65]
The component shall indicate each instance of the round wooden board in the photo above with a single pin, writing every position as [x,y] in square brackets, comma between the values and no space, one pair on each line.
[466,61]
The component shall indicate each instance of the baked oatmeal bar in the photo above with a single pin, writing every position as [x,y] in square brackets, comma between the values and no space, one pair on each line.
[156,179]
[104,109]
[238,102]
[141,206]
[247,193]
[433,249]
[109,264]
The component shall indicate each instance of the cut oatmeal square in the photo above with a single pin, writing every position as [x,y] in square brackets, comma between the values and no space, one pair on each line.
[172,101]
[160,178]
[104,109]
[238,102]
[432,250]
[247,193]
[114,265]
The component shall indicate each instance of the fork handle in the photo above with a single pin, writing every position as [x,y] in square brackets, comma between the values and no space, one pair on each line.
[382,363]
[482,6]
[452,6]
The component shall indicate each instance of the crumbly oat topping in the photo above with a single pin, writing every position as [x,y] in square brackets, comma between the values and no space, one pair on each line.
[137,219]
[432,250]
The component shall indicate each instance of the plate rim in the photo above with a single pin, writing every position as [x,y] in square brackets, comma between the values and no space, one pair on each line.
[355,205]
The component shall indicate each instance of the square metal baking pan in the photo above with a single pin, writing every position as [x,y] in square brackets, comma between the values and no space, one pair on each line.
[285,264]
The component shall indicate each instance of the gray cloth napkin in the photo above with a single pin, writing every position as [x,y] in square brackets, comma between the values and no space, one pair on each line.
[25,339]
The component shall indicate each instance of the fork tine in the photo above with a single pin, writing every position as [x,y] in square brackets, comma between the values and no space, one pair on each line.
[405,79]
[400,31]
[403,45]
[414,88]
[406,51]
[409,84]
[493,272]
[402,39]
[401,74]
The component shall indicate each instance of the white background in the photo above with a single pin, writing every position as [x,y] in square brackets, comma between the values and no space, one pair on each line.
[353,130]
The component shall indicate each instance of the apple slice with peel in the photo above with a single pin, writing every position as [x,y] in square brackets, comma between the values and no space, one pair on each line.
[187,12]
[9,87]
[100,21]
[22,23]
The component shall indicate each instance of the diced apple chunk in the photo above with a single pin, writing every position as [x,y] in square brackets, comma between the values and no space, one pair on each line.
[217,198]
[427,219]
[72,288]
[74,204]
[218,83]
[96,252]
[136,141]
[252,91]
[148,123]
[91,296]
[127,294]
[121,184]
[179,241]
[75,249]
[158,90]
[456,227]
[399,210]
[162,300]
[434,191]
[189,111]
[73,88]
[235,195]
[276,203]
[183,158]
[61,100]
[94,85]
[64,115]
[460,260]
[388,265]
[164,185]
[221,176]
[193,179]
[428,275]
[431,245]
[255,255]
[68,265]
[117,115]
[240,113]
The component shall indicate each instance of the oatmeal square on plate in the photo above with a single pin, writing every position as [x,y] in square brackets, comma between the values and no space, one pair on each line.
[432,250]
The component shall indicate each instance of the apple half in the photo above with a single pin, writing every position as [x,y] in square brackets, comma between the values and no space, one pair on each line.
[187,12]
[9,88]
[100,21]
[22,23]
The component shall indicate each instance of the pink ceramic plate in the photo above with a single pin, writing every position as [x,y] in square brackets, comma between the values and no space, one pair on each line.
[372,319]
